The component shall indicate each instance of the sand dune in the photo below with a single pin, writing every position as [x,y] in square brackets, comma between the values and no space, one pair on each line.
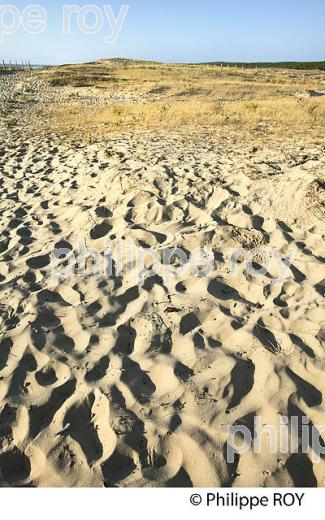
[105,382]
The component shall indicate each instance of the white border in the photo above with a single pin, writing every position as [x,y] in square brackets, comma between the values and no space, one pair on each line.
[153,504]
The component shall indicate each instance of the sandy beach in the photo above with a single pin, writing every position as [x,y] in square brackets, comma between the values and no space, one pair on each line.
[133,378]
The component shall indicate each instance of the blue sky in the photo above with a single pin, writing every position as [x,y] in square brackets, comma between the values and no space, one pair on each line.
[180,31]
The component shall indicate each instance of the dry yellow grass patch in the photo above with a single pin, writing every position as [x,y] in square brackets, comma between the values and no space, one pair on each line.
[286,115]
[127,75]
[174,96]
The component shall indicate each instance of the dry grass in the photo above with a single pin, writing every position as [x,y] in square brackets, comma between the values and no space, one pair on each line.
[285,116]
[174,96]
[128,75]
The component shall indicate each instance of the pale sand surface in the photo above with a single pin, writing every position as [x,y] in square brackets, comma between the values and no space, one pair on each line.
[104,382]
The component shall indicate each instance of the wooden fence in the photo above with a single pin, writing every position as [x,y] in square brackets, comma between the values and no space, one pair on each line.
[16,65]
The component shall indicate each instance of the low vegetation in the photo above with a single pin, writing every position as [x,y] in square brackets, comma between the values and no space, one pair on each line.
[295,65]
[150,95]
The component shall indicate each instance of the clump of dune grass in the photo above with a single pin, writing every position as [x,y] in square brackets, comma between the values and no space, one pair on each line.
[280,116]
